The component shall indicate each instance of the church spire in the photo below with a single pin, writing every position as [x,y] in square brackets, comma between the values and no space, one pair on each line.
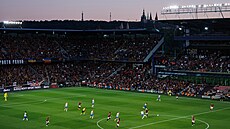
[143,17]
[150,18]
[156,17]
[143,12]
[147,16]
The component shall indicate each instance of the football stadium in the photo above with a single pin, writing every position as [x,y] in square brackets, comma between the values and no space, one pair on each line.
[145,74]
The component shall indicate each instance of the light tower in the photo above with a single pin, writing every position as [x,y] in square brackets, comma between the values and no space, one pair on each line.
[82,16]
[110,16]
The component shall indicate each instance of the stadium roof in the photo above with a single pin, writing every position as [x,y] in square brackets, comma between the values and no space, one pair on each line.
[104,31]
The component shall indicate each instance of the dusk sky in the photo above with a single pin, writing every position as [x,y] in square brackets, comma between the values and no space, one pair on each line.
[93,9]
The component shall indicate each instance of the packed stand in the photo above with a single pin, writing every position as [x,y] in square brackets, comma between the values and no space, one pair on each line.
[17,75]
[89,48]
[29,47]
[135,50]
[101,74]
[116,75]
[218,92]
[92,49]
[111,49]
[138,77]
[204,61]
[74,72]
[127,77]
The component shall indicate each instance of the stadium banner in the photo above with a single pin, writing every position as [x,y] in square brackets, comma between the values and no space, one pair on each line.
[54,85]
[133,89]
[141,90]
[22,88]
[47,60]
[18,88]
[205,96]
[45,87]
[8,89]
[31,61]
[11,62]
[155,91]
[216,97]
[150,91]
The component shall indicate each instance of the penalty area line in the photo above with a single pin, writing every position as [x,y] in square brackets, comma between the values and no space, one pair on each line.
[189,118]
[99,122]
[179,118]
[106,118]
[204,122]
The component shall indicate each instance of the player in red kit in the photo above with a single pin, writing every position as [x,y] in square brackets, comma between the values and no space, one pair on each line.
[146,112]
[211,106]
[109,116]
[177,96]
[193,120]
[47,121]
[118,122]
[79,105]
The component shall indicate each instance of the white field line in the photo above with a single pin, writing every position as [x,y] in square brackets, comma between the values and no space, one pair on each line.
[153,115]
[189,118]
[204,122]
[106,118]
[171,119]
[178,118]
[182,97]
[99,122]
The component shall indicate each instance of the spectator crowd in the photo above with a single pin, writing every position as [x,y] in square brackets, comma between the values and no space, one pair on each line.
[100,62]
[203,61]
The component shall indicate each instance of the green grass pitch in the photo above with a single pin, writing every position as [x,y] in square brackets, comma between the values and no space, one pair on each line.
[173,114]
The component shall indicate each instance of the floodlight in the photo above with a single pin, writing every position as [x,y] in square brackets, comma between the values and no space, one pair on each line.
[189,9]
[12,23]
[173,7]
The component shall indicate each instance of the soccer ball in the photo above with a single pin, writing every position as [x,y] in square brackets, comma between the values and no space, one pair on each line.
[158,115]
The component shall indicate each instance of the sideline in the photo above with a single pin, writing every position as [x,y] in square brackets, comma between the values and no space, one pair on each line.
[202,99]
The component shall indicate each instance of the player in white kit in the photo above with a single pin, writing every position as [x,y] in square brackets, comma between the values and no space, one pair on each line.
[143,114]
[91,114]
[117,116]
[66,107]
[25,117]
[93,103]
[159,98]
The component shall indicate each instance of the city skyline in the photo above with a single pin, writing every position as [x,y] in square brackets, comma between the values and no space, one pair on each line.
[127,10]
